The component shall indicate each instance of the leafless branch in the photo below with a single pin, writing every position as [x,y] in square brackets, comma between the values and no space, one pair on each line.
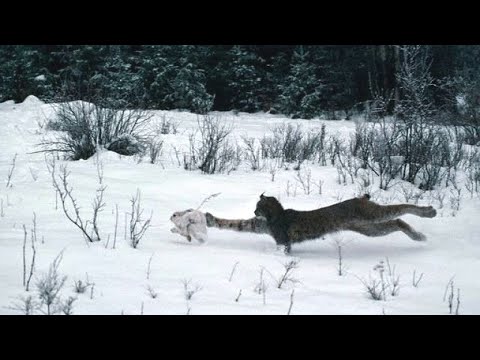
[416,281]
[10,172]
[207,199]
[138,227]
[291,302]
[233,271]
[238,296]
[148,267]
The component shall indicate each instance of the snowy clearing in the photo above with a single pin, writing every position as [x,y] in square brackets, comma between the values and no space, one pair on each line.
[228,267]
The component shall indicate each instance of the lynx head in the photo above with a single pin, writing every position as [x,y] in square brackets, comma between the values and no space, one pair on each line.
[268,207]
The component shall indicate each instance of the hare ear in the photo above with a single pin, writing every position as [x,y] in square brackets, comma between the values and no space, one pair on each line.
[261,196]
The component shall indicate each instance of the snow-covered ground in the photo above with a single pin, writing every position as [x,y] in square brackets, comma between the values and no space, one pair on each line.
[120,275]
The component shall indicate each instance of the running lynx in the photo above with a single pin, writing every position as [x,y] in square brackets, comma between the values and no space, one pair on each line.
[288,226]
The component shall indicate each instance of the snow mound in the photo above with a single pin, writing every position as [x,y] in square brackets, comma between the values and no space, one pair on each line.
[7,104]
[32,100]
[106,156]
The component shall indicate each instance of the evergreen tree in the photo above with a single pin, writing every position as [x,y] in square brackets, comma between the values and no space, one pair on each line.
[188,90]
[300,95]
[300,81]
[172,80]
[245,80]
[118,84]
[20,73]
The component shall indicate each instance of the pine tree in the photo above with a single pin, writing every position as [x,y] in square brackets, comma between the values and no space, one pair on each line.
[118,84]
[172,80]
[301,91]
[20,73]
[245,80]
[188,90]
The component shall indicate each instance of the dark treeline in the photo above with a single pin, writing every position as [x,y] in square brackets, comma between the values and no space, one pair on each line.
[296,80]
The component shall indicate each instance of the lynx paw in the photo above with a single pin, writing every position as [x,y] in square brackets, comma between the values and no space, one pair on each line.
[430,212]
[419,237]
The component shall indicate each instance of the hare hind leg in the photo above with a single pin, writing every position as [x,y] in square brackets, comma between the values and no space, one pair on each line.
[387,227]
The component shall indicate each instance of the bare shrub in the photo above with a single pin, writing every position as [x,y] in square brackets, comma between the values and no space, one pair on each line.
[261,287]
[304,178]
[387,281]
[80,286]
[290,139]
[138,226]
[88,126]
[415,280]
[455,197]
[33,237]
[291,144]
[449,296]
[155,150]
[151,292]
[339,245]
[167,126]
[411,193]
[26,305]
[439,195]
[373,288]
[66,307]
[49,285]
[376,287]
[64,190]
[189,289]
[287,276]
[472,182]
[253,153]
[393,279]
[212,153]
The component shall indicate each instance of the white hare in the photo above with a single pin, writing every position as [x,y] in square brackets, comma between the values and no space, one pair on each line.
[191,224]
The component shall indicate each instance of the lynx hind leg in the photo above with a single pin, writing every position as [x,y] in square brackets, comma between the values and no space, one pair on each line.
[409,231]
[388,227]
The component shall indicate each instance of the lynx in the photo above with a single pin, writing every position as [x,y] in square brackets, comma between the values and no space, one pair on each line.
[288,226]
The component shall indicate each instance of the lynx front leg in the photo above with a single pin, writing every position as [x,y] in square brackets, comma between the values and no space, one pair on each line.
[282,239]
[388,212]
[387,227]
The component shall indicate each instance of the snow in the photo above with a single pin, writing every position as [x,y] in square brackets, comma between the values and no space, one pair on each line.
[32,100]
[120,274]
[40,78]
